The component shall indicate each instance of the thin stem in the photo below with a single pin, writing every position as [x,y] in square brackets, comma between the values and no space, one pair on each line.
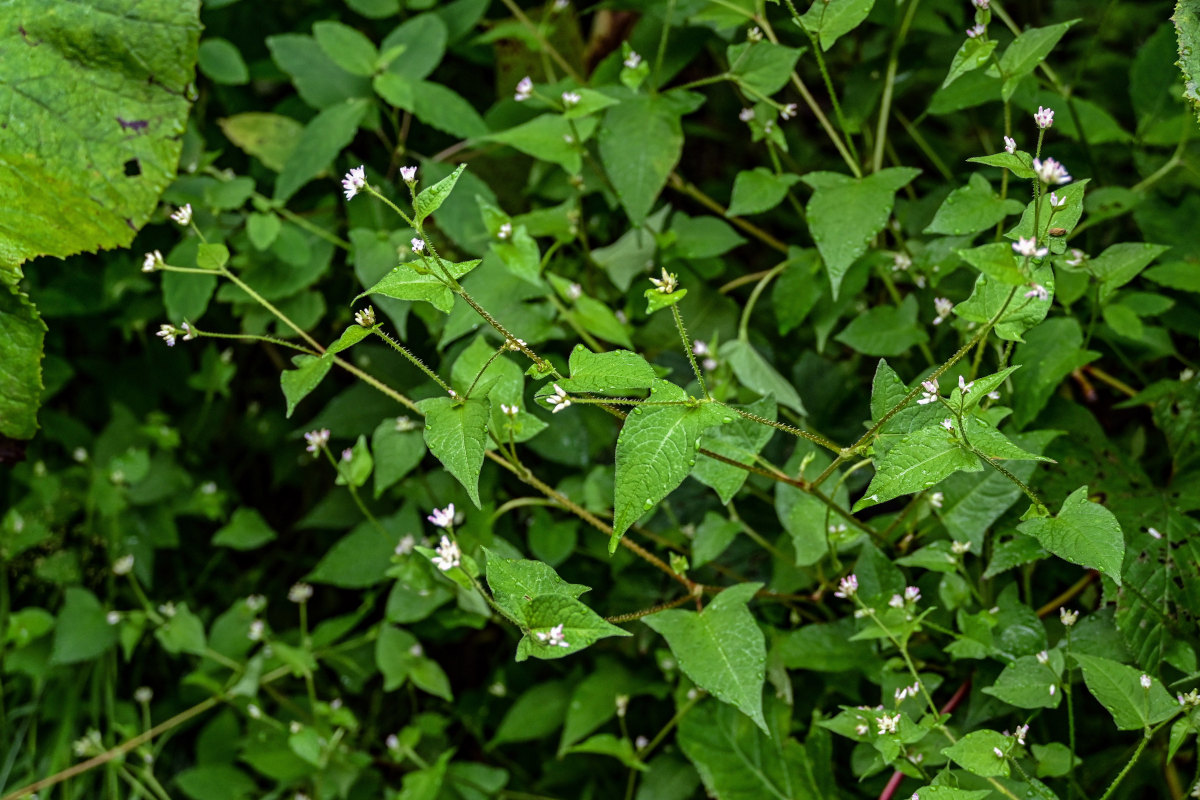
[743,325]
[662,44]
[418,363]
[683,187]
[631,616]
[889,82]
[687,348]
[548,48]
[249,337]
[262,301]
[783,426]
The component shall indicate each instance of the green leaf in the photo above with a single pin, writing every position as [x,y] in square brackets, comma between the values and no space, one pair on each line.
[1187,29]
[1051,352]
[88,88]
[741,441]
[607,744]
[549,137]
[991,442]
[720,648]
[655,452]
[357,469]
[346,47]
[758,190]
[456,434]
[262,230]
[1071,195]
[212,256]
[656,300]
[831,21]
[580,627]
[406,282]
[976,752]
[948,792]
[398,449]
[431,198]
[350,337]
[762,68]
[1121,263]
[515,582]
[399,656]
[1019,315]
[299,382]
[756,373]
[423,38]
[246,530]
[270,138]
[885,330]
[639,172]
[534,715]
[324,137]
[222,63]
[320,82]
[715,533]
[918,461]
[972,54]
[617,372]
[444,109]
[703,237]
[737,761]
[1019,163]
[520,255]
[183,632]
[81,632]
[997,261]
[1084,533]
[1026,52]
[594,701]
[825,647]
[359,559]
[216,782]
[21,337]
[1119,689]
[846,213]
[972,208]
[1028,683]
[802,514]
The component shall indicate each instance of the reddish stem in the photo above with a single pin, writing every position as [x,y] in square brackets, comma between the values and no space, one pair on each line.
[951,704]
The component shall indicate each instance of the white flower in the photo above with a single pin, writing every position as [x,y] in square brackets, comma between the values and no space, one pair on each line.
[1010,144]
[977,30]
[152,261]
[896,602]
[887,724]
[365,317]
[113,618]
[183,215]
[255,632]
[442,517]
[559,400]
[143,694]
[1056,202]
[571,99]
[1050,171]
[1077,257]
[981,4]
[347,454]
[746,114]
[524,89]
[405,545]
[123,565]
[999,753]
[699,348]
[993,395]
[959,548]
[755,34]
[788,111]
[505,231]
[418,245]
[354,181]
[392,742]
[254,711]
[847,586]
[632,60]
[622,703]
[1154,532]
[509,411]
[943,306]
[554,638]
[1038,291]
[936,499]
[1028,247]
[1044,117]
[1068,618]
[255,602]
[667,283]
[316,440]
[861,730]
[901,693]
[963,386]
[900,262]
[167,334]
[1192,698]
[300,592]
[448,555]
[574,291]
[408,174]
[948,425]
[912,594]
[167,610]
[1043,657]
[929,392]
[709,364]
[1196,790]
[1145,681]
[559,5]
[1053,688]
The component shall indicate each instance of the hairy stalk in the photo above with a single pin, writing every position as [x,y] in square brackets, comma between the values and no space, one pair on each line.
[632,615]
[416,362]
[687,348]
[816,438]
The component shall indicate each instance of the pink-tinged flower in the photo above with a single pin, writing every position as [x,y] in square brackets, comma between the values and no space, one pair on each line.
[976,31]
[788,111]
[1056,202]
[183,215]
[699,348]
[524,89]
[408,174]
[418,245]
[929,392]
[1077,257]
[1038,292]
[354,181]
[1028,247]
[963,386]
[152,261]
[982,5]
[316,440]
[887,724]
[847,586]
[448,555]
[1044,117]
[912,594]
[1010,144]
[1021,732]
[442,517]
[570,99]
[1050,171]
[554,638]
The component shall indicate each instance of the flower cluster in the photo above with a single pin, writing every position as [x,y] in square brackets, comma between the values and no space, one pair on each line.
[448,555]
[553,638]
[354,182]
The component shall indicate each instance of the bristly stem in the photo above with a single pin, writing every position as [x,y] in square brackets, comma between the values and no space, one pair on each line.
[418,363]
[687,348]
